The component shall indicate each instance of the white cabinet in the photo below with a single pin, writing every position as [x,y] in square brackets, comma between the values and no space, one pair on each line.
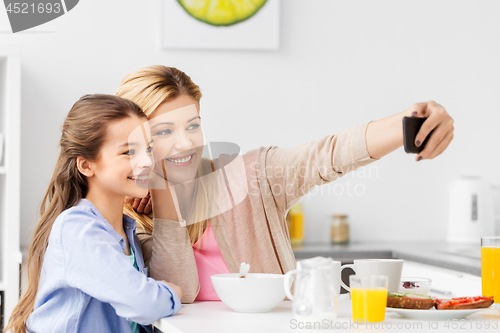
[10,163]
[446,283]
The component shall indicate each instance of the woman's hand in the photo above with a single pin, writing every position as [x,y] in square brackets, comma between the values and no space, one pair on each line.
[177,290]
[386,135]
[438,120]
[140,205]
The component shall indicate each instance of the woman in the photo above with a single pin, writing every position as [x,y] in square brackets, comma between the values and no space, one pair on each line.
[195,232]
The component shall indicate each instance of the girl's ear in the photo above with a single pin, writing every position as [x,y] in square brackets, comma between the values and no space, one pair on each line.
[85,167]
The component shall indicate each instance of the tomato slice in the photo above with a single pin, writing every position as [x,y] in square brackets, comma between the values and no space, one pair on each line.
[445,303]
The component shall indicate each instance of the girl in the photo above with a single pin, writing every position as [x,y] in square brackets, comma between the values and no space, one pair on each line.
[251,229]
[85,266]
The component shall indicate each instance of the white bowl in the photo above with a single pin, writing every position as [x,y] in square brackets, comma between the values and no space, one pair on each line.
[415,285]
[255,293]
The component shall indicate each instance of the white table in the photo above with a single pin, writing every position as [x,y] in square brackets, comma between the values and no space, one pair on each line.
[216,317]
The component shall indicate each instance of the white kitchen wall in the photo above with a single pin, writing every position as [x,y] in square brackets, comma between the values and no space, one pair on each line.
[340,63]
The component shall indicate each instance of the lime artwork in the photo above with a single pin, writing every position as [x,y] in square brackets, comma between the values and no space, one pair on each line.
[222,12]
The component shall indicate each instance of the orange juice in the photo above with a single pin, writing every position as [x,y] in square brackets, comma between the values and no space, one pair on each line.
[296,224]
[490,272]
[368,305]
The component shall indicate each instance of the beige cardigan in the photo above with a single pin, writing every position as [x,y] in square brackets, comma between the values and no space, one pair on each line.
[255,230]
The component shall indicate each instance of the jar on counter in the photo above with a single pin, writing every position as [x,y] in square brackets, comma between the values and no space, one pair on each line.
[340,229]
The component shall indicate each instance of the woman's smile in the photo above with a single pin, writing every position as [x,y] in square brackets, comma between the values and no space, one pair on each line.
[182,161]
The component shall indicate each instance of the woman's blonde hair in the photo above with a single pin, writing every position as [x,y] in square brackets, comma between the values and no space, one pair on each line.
[149,87]
[83,134]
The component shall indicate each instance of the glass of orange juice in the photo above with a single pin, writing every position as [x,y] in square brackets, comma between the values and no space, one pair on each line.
[490,266]
[369,298]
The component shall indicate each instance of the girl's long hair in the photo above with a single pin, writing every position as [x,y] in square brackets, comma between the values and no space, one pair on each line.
[83,134]
[149,87]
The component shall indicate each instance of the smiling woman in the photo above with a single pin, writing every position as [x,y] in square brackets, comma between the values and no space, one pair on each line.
[177,134]
[267,182]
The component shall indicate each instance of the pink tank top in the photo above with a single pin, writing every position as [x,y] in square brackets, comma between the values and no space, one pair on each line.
[209,261]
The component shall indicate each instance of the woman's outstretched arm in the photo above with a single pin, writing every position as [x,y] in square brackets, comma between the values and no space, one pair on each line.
[386,135]
[291,173]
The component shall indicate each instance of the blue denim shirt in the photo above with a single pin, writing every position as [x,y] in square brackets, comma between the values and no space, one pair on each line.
[87,283]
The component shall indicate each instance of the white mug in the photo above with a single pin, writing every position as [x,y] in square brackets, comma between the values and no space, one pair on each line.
[366,267]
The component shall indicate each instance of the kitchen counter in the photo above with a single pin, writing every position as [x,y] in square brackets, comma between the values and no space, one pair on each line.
[216,317]
[463,258]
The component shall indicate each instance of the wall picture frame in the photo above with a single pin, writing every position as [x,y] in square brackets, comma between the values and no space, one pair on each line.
[182,29]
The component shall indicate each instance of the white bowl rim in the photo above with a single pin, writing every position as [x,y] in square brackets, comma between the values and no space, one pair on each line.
[380,260]
[415,279]
[253,275]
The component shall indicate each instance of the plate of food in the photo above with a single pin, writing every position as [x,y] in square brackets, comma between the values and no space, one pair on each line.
[423,307]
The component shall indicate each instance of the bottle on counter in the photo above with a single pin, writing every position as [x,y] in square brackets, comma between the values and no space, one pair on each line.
[340,229]
[295,219]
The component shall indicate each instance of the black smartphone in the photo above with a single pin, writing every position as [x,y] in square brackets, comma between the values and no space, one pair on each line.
[411,126]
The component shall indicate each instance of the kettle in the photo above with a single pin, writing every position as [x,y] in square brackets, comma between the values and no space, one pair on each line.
[474,210]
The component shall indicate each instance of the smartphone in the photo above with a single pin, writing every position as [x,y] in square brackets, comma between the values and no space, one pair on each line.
[411,126]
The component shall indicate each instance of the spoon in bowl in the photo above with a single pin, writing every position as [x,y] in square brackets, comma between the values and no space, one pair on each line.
[244,268]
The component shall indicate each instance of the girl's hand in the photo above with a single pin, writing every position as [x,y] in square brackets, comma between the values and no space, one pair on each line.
[175,288]
[141,205]
[438,120]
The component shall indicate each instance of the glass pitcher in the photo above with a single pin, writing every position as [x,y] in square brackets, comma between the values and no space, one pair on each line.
[316,289]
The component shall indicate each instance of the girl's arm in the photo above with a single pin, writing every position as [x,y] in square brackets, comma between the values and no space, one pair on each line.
[94,263]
